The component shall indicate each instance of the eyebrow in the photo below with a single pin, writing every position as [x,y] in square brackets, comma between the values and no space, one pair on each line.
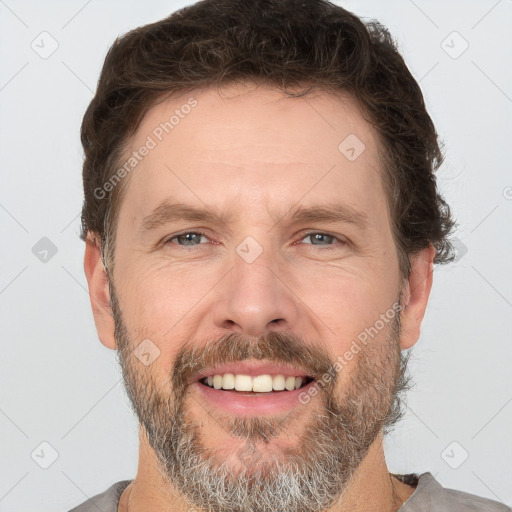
[331,213]
[169,212]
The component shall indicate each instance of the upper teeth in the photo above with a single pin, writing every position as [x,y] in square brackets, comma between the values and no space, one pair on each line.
[260,383]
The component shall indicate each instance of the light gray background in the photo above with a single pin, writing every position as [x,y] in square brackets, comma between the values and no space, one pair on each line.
[61,386]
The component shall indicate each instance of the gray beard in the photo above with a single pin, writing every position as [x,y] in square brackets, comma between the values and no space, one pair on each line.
[309,478]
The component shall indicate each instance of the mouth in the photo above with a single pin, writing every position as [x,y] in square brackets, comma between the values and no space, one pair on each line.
[264,383]
[252,388]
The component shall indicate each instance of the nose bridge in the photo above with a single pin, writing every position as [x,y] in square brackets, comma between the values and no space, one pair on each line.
[253,295]
[255,269]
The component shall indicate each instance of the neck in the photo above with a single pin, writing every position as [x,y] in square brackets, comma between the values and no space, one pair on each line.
[371,488]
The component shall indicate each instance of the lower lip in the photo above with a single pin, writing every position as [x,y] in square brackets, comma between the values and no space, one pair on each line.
[244,404]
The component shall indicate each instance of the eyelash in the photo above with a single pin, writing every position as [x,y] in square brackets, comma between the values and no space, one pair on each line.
[305,235]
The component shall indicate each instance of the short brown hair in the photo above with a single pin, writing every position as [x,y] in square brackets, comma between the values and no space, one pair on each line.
[285,43]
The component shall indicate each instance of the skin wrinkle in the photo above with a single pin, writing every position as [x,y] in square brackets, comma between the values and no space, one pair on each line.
[297,303]
[332,449]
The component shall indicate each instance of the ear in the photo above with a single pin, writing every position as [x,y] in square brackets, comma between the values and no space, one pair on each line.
[415,296]
[99,293]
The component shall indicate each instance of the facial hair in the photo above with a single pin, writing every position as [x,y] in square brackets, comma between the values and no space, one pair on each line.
[310,477]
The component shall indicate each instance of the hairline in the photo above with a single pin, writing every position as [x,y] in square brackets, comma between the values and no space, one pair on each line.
[386,166]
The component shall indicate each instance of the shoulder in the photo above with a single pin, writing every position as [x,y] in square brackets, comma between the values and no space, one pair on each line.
[431,496]
[106,501]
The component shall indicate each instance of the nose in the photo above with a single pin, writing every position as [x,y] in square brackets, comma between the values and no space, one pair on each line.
[254,298]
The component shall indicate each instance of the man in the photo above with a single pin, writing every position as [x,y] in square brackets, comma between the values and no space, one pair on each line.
[261,222]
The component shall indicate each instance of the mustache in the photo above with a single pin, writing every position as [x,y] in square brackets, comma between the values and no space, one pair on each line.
[277,347]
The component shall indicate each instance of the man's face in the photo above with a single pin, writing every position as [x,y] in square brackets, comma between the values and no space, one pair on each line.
[260,291]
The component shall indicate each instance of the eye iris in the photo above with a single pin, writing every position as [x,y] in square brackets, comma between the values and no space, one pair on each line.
[187,236]
[315,235]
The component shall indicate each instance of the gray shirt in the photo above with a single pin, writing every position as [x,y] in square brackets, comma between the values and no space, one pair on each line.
[429,496]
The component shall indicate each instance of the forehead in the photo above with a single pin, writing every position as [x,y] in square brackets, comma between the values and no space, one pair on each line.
[242,146]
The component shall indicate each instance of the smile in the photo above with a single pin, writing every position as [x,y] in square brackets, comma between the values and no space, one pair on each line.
[250,388]
[259,384]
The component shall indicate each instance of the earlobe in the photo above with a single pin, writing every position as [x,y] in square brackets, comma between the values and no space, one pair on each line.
[99,293]
[415,296]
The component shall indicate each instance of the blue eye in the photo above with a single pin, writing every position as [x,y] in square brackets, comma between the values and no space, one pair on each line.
[318,236]
[193,238]
[189,236]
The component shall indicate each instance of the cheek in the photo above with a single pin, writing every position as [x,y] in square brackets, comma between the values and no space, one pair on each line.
[158,302]
[350,297]
[356,308]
